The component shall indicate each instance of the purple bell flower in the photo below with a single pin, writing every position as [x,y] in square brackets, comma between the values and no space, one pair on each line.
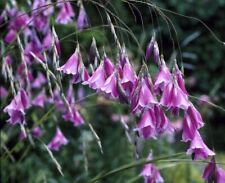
[198,149]
[82,20]
[192,122]
[58,140]
[66,13]
[150,173]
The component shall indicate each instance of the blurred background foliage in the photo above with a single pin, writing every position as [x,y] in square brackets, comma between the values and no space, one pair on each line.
[202,57]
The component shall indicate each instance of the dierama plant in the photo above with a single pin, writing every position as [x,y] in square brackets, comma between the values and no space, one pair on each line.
[152,100]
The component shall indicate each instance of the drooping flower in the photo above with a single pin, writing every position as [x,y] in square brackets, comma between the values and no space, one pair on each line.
[150,173]
[146,125]
[72,65]
[144,97]
[10,36]
[82,20]
[39,81]
[173,97]
[66,13]
[192,122]
[162,78]
[58,140]
[43,6]
[36,132]
[74,116]
[128,79]
[209,171]
[48,40]
[110,87]
[3,92]
[153,122]
[198,149]
[40,99]
[97,80]
[34,46]
[16,109]
[213,173]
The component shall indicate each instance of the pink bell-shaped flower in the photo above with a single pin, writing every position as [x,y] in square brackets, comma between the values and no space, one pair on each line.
[58,140]
[192,122]
[173,97]
[150,173]
[72,65]
[198,149]
[162,78]
[144,97]
[66,13]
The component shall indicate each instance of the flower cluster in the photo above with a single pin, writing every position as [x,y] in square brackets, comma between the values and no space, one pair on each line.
[34,35]
[150,99]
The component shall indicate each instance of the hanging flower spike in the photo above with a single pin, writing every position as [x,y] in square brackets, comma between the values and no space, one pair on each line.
[40,99]
[58,140]
[39,81]
[66,13]
[16,108]
[144,97]
[146,125]
[192,122]
[180,80]
[150,48]
[73,116]
[173,97]
[162,78]
[150,173]
[82,20]
[110,87]
[72,64]
[198,149]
